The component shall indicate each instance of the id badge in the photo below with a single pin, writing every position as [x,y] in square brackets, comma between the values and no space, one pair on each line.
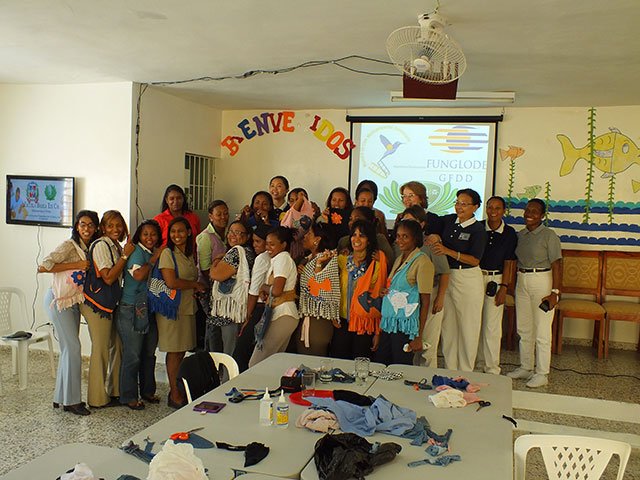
[464,236]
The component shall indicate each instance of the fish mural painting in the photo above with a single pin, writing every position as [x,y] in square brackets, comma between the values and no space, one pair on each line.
[614,152]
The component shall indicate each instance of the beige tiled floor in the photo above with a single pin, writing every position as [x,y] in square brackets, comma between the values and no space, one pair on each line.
[31,426]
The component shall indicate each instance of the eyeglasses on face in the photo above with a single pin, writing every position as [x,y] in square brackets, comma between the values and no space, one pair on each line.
[408,195]
[237,233]
[463,204]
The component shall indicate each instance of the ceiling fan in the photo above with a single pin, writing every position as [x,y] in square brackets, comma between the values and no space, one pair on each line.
[425,53]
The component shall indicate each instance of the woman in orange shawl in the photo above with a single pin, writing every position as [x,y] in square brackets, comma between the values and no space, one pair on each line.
[363,276]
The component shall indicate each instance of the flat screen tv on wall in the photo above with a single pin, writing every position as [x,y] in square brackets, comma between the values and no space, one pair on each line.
[38,200]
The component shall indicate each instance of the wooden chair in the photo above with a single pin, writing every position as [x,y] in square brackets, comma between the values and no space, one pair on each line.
[581,274]
[621,276]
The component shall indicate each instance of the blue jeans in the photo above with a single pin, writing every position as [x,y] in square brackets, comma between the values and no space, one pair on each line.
[69,378]
[138,355]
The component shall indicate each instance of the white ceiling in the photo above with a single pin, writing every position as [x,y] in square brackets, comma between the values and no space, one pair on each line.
[550,52]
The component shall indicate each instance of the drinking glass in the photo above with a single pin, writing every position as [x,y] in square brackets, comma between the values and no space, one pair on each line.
[308,384]
[325,370]
[362,369]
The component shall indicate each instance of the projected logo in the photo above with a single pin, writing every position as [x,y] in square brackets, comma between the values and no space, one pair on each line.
[458,139]
[380,148]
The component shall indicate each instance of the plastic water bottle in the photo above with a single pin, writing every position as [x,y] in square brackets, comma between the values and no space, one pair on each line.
[266,409]
[282,412]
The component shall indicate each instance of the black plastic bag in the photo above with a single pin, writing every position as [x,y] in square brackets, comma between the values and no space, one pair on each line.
[347,455]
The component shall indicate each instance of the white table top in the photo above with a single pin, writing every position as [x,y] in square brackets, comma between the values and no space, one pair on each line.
[104,462]
[237,424]
[483,439]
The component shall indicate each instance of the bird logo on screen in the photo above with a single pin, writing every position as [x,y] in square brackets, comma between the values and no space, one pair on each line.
[380,168]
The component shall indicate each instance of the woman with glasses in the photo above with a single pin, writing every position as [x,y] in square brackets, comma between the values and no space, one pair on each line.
[415,193]
[231,277]
[68,262]
[463,241]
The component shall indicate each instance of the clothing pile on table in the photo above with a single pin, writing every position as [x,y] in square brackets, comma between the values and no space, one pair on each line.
[359,415]
[454,392]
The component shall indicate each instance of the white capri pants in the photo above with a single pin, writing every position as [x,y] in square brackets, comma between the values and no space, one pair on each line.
[462,318]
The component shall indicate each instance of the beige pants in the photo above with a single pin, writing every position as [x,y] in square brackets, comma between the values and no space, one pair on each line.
[276,339]
[462,319]
[104,363]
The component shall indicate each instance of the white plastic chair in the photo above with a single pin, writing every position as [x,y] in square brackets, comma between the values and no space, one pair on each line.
[228,361]
[567,456]
[20,347]
[218,359]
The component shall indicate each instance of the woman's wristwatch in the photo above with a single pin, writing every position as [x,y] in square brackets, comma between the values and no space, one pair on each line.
[556,291]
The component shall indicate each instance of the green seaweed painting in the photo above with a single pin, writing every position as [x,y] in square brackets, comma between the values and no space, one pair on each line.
[441,197]
[547,201]
[592,159]
[511,153]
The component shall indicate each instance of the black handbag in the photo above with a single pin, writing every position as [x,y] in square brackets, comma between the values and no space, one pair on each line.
[102,298]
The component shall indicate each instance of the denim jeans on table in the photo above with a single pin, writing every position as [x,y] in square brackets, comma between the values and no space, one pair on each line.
[138,354]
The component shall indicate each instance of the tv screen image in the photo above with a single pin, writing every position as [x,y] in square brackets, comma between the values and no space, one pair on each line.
[37,200]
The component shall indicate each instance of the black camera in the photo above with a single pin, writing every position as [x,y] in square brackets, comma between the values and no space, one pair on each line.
[492,288]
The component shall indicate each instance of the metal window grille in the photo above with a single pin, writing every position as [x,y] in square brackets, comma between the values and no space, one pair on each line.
[200,171]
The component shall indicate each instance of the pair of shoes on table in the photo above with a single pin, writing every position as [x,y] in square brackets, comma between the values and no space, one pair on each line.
[520,374]
[537,380]
[151,398]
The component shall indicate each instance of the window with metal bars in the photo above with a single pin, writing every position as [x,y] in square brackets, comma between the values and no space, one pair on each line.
[201,180]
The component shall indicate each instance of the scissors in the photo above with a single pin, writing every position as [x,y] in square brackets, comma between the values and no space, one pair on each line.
[482,404]
[184,435]
[421,385]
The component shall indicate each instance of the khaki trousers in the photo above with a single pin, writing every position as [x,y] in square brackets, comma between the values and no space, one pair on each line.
[104,363]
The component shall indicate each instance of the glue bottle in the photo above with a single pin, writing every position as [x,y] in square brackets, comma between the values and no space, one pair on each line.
[266,409]
[282,412]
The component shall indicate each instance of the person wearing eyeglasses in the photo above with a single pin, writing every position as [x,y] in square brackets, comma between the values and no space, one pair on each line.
[415,193]
[463,241]
[229,294]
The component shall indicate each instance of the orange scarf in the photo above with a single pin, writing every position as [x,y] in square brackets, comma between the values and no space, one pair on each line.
[364,312]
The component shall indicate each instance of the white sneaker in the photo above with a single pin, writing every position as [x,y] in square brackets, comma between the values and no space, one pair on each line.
[521,374]
[538,380]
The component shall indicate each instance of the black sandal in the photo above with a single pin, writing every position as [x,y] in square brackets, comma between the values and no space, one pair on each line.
[135,405]
[151,398]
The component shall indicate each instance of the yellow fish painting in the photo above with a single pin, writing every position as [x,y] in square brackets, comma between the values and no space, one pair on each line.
[614,152]
[512,153]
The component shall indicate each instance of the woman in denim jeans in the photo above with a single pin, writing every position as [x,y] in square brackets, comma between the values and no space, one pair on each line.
[137,329]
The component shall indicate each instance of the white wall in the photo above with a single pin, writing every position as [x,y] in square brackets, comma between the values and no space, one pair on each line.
[76,130]
[171,127]
[306,161]
[87,131]
[300,156]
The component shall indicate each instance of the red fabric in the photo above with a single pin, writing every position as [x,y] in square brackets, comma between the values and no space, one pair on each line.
[165,218]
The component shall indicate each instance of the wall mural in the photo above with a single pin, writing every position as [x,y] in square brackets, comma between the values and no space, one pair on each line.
[588,220]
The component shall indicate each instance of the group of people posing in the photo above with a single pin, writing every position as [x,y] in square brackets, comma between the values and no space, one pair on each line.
[288,275]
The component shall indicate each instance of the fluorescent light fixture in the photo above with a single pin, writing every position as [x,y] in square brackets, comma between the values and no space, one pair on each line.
[463,99]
